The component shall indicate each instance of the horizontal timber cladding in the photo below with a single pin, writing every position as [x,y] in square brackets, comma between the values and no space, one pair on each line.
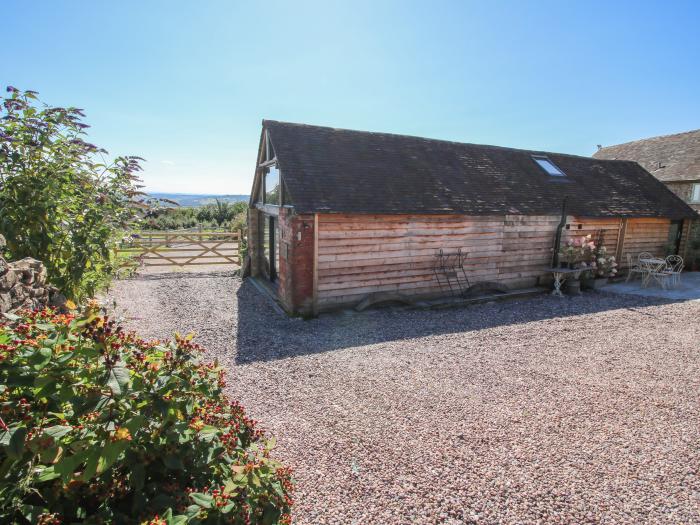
[363,254]
[608,228]
[646,235]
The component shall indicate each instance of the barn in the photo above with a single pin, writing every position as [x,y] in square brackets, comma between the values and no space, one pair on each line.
[337,215]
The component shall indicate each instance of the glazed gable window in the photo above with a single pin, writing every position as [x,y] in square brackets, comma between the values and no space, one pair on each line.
[272,185]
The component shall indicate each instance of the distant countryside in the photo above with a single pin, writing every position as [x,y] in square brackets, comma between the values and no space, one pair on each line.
[183,211]
[190,200]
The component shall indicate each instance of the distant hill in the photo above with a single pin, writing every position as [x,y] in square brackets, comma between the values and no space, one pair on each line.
[191,199]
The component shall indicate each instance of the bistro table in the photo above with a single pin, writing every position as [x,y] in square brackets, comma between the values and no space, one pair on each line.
[561,275]
[651,265]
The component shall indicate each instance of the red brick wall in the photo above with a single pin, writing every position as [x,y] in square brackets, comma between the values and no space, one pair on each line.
[296,268]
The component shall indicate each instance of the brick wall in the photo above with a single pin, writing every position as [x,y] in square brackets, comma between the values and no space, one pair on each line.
[296,258]
[296,268]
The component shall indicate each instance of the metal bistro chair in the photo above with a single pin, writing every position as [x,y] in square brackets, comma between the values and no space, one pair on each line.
[647,268]
[674,267]
[633,267]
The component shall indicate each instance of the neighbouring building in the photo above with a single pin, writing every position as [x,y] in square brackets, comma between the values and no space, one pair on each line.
[338,215]
[675,161]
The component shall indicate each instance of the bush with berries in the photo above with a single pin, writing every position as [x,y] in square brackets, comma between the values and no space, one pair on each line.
[100,426]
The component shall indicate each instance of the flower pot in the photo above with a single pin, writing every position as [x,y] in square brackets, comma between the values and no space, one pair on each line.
[587,281]
[599,282]
[572,287]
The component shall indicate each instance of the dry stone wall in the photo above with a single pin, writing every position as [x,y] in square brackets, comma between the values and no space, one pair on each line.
[23,284]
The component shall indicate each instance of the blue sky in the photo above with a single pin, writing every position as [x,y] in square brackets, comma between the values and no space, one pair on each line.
[186,84]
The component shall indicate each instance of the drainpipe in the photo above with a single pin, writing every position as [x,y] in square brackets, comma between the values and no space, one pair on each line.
[557,239]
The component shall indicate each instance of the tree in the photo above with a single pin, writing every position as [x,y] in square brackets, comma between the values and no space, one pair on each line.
[61,200]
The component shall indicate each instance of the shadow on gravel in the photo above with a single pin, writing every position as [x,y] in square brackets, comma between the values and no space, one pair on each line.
[263,334]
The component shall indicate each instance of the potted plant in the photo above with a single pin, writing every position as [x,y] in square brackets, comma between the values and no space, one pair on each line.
[566,256]
[606,267]
[572,286]
[573,255]
[573,252]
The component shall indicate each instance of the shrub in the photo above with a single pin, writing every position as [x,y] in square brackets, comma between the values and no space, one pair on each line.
[61,201]
[99,426]
[221,214]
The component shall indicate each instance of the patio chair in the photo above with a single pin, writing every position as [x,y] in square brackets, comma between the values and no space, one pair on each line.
[674,266]
[635,267]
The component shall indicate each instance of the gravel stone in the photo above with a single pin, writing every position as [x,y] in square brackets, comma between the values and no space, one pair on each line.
[542,410]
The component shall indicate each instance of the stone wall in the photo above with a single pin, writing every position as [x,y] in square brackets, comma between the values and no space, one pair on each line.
[23,284]
[685,191]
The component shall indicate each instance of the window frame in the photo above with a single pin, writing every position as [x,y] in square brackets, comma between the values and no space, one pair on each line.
[695,193]
[544,158]
[270,161]
[263,176]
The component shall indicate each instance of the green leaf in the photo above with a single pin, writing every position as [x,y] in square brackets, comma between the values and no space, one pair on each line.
[109,454]
[207,433]
[50,455]
[93,457]
[270,515]
[16,445]
[32,512]
[47,474]
[58,431]
[118,379]
[42,358]
[203,500]
[135,424]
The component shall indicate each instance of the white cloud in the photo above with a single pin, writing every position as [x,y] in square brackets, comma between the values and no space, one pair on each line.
[168,162]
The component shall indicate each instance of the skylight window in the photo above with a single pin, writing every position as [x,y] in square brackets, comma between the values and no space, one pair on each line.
[548,166]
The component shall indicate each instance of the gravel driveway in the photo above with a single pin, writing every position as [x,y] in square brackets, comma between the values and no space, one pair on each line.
[580,410]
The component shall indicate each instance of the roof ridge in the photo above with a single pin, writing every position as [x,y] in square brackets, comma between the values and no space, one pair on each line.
[689,132]
[401,135]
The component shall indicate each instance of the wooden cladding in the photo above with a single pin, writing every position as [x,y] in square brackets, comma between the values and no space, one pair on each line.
[356,255]
[645,235]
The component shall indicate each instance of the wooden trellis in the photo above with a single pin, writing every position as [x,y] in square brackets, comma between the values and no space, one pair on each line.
[164,248]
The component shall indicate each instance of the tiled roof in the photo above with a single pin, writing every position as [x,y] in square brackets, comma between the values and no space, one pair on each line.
[670,158]
[341,171]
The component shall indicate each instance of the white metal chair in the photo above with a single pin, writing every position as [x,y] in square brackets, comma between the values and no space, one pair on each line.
[674,267]
[633,267]
[648,271]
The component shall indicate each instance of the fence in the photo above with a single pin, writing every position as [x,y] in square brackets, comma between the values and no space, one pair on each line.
[177,248]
